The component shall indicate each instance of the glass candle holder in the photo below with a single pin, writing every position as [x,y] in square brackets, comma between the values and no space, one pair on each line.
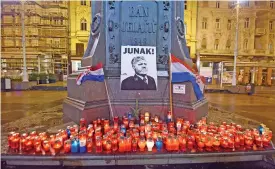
[37,144]
[168,144]
[67,146]
[29,143]
[57,146]
[72,130]
[169,116]
[95,124]
[22,143]
[15,142]
[125,122]
[128,142]
[89,145]
[82,123]
[147,117]
[98,145]
[116,119]
[82,142]
[46,145]
[10,138]
[114,144]
[159,144]
[122,144]
[43,136]
[142,144]
[108,146]
[150,144]
[75,146]
[134,145]
[33,134]
[76,128]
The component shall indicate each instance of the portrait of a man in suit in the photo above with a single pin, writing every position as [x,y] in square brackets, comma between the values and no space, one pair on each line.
[141,80]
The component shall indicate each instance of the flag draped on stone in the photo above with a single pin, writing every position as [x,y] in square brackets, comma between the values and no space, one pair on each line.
[182,72]
[94,73]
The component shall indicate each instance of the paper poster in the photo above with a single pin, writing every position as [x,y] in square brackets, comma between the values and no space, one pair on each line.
[138,68]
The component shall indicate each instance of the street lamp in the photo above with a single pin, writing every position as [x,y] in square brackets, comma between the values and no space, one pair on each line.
[25,74]
[234,80]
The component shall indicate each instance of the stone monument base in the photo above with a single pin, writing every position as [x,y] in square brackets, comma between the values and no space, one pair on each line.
[90,100]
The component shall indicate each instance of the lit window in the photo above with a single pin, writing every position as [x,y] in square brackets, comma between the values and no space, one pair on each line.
[246,23]
[245,44]
[204,23]
[216,45]
[185,4]
[217,25]
[83,2]
[83,25]
[218,4]
[229,24]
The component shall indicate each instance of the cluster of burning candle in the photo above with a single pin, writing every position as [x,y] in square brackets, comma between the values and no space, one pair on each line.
[146,134]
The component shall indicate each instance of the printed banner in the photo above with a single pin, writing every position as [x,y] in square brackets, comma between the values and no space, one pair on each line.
[138,68]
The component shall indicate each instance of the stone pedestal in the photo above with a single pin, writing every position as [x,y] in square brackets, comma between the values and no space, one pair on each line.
[90,101]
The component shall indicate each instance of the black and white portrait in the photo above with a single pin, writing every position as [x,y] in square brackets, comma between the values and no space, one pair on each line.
[138,68]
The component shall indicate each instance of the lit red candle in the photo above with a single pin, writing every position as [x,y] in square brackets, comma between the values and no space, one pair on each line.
[147,117]
[134,145]
[37,144]
[29,143]
[46,145]
[89,145]
[15,142]
[82,141]
[114,144]
[10,137]
[23,141]
[67,146]
[108,146]
[142,144]
[98,145]
[57,146]
[43,136]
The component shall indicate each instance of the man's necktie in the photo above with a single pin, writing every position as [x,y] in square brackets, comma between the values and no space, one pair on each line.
[145,80]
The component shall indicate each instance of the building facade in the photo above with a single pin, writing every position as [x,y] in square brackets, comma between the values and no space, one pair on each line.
[80,20]
[46,36]
[216,34]
[190,19]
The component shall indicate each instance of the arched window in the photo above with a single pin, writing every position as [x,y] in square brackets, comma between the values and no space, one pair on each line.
[245,44]
[83,24]
[203,43]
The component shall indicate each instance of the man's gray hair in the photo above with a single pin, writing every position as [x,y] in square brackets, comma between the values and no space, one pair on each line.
[137,59]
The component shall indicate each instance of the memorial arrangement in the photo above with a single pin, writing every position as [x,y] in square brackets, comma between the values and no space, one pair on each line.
[142,134]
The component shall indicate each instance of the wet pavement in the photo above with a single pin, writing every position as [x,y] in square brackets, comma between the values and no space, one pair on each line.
[259,107]
[26,109]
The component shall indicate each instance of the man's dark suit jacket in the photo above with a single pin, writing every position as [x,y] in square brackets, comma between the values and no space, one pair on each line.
[136,83]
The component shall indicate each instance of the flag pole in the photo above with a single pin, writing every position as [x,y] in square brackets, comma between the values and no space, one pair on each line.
[109,102]
[170,84]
